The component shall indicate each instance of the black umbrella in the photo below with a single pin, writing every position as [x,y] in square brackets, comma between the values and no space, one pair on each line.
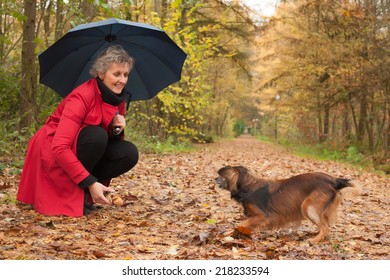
[158,60]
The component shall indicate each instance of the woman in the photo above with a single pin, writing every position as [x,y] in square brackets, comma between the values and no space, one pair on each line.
[81,146]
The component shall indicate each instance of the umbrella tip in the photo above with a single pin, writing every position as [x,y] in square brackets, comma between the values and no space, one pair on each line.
[110,38]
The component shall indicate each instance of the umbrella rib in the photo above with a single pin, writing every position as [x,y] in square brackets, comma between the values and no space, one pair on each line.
[82,69]
[154,55]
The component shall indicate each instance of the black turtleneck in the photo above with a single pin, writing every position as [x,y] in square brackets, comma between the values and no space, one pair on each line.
[109,96]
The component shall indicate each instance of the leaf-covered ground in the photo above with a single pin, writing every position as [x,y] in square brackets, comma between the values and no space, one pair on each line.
[173,210]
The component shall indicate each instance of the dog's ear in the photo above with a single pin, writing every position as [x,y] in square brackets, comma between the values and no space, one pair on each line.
[242,169]
[232,179]
[242,176]
[222,171]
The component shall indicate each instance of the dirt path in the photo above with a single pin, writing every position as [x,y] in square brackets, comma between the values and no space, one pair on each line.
[179,214]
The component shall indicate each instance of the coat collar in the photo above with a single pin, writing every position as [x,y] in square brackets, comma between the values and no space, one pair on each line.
[108,95]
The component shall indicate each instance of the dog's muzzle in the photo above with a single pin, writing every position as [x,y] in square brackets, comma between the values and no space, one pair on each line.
[221,182]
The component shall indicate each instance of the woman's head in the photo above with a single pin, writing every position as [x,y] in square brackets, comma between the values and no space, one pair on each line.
[113,66]
[113,54]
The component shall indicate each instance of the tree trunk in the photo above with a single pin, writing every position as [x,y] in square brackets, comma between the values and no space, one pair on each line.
[325,132]
[29,79]
[164,10]
[346,129]
[362,116]
[46,22]
[59,20]
[1,33]
[157,7]
[387,133]
[319,118]
[88,10]
[370,124]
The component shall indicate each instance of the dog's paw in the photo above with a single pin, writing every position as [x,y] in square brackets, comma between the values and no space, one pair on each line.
[314,240]
[242,232]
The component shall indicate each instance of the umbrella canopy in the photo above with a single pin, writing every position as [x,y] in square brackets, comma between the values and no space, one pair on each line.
[158,60]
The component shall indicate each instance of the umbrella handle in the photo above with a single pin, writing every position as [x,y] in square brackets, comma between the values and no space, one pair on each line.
[116,130]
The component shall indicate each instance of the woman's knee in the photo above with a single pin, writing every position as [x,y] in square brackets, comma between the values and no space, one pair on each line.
[91,146]
[93,137]
[127,154]
[132,154]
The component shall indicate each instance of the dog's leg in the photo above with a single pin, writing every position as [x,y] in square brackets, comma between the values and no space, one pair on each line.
[324,230]
[329,214]
[246,228]
[314,208]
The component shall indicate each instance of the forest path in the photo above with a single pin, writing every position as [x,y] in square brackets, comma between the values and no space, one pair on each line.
[179,213]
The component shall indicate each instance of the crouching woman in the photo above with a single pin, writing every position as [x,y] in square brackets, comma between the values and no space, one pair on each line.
[71,159]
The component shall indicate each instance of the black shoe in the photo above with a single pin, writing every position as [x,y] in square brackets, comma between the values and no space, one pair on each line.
[86,212]
[88,207]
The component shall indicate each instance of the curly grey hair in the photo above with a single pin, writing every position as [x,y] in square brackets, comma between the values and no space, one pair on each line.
[113,54]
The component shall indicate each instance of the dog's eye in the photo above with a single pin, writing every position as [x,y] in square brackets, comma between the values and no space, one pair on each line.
[219,180]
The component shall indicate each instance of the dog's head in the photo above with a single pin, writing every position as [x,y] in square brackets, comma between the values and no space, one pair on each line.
[229,177]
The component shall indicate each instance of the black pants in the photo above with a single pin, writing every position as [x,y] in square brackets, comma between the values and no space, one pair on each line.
[105,158]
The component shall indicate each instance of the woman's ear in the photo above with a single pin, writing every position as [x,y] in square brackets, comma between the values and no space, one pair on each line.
[101,75]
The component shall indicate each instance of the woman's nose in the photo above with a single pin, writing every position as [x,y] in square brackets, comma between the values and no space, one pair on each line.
[123,79]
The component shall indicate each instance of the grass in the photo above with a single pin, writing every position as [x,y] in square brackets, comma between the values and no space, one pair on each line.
[149,144]
[351,155]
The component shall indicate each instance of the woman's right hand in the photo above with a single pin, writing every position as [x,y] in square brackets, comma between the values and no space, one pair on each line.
[97,191]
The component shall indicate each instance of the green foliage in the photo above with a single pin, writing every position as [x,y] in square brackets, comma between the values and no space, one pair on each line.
[183,112]
[327,64]
[178,112]
[320,151]
[152,144]
[226,82]
[353,155]
[8,199]
[239,127]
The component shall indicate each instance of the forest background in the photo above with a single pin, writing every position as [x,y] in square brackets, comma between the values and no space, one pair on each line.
[317,73]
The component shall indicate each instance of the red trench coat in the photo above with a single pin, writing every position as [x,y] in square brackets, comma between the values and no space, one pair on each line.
[51,170]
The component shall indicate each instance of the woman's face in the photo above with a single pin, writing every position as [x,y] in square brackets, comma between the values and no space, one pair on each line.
[116,76]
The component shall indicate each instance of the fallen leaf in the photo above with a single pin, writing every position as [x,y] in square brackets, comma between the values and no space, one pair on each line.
[5,185]
[190,218]
[173,250]
[130,197]
[98,254]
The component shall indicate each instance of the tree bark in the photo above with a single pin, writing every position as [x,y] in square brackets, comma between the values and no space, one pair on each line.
[29,79]
[325,131]
[88,10]
[346,128]
[362,116]
[59,20]
[387,133]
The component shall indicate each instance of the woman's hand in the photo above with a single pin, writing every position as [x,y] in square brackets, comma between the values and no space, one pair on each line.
[97,193]
[119,121]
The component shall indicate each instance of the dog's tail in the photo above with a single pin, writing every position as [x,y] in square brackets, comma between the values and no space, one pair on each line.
[342,183]
[353,189]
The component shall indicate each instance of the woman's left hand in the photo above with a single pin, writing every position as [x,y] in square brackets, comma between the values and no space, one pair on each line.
[97,191]
[119,121]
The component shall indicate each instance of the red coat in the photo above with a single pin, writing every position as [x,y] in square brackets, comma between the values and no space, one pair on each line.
[51,171]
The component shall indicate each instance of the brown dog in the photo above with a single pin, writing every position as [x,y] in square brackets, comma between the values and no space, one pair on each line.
[274,204]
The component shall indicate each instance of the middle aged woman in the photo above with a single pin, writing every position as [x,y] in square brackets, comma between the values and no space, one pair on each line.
[72,158]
